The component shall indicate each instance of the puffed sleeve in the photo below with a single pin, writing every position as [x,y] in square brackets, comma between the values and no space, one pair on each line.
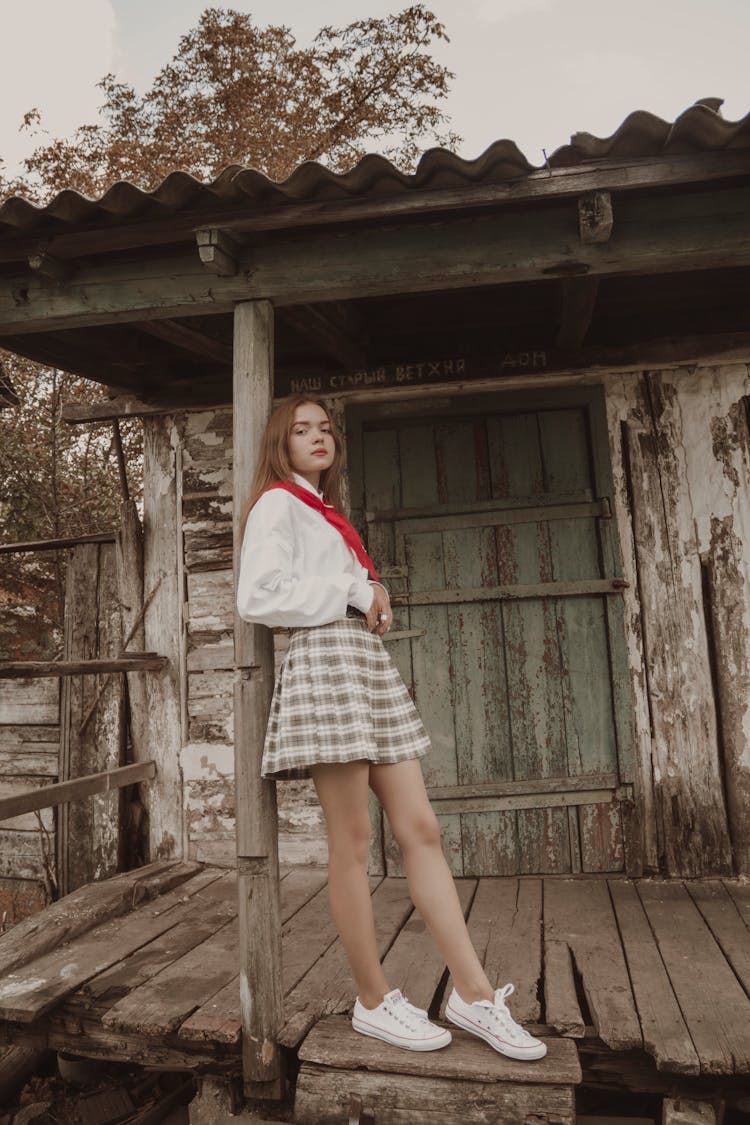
[268,590]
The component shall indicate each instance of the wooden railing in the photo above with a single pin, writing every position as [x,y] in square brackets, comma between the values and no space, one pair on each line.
[31,800]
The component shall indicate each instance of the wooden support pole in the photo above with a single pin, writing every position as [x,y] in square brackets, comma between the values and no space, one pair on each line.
[261,995]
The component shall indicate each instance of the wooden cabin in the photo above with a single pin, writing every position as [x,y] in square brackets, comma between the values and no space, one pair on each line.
[542,377]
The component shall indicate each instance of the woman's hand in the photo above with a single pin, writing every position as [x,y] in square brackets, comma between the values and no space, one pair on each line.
[379,615]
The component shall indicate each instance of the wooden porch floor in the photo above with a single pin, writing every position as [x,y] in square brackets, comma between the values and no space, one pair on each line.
[141,968]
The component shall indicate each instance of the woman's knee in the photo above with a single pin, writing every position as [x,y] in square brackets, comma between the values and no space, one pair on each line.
[420,829]
[350,841]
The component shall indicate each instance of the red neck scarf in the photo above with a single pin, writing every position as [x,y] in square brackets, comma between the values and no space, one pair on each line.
[341,523]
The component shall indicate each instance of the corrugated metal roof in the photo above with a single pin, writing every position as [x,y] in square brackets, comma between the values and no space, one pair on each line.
[700,128]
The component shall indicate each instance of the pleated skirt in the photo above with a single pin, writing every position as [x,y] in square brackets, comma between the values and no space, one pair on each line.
[339,697]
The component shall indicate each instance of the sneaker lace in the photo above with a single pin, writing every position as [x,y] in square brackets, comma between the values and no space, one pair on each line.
[405,1014]
[500,1013]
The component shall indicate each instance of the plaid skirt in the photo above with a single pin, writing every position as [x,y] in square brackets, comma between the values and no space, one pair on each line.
[339,697]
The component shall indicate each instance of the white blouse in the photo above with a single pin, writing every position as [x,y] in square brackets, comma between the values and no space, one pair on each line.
[295,568]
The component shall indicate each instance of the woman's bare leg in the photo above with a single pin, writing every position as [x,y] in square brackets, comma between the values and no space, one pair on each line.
[342,790]
[401,791]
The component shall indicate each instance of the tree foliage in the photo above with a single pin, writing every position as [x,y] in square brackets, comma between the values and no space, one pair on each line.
[56,480]
[234,93]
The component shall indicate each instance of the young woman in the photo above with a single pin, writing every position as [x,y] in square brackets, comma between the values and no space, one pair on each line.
[341,714]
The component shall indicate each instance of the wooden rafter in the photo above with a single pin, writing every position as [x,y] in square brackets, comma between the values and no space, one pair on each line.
[197,343]
[577,303]
[330,330]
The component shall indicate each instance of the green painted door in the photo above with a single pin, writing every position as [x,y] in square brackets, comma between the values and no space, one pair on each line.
[490,518]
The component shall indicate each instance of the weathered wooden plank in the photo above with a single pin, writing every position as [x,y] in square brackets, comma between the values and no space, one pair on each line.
[514,949]
[579,913]
[88,906]
[205,656]
[477,654]
[39,669]
[516,592]
[27,739]
[524,786]
[492,513]
[92,717]
[561,1005]
[162,629]
[412,481]
[331,1043]
[159,1005]
[687,779]
[24,820]
[726,924]
[22,855]
[323,1097]
[40,761]
[740,893]
[33,703]
[210,607]
[308,931]
[56,544]
[665,1034]
[28,992]
[74,1027]
[328,988]
[712,1001]
[41,796]
[133,972]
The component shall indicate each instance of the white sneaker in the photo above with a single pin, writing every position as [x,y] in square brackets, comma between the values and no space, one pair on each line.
[397,1021]
[494,1023]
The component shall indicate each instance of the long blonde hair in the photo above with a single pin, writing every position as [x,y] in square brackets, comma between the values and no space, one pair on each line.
[274,463]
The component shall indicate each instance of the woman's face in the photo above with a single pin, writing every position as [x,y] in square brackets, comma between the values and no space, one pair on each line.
[311,444]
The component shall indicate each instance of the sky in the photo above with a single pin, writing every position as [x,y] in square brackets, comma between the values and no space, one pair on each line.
[534,71]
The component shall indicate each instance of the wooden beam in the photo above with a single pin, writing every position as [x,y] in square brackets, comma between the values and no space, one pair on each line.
[620,175]
[595,218]
[61,792]
[219,253]
[577,303]
[655,234]
[49,266]
[573,588]
[261,989]
[326,328]
[128,662]
[56,544]
[197,343]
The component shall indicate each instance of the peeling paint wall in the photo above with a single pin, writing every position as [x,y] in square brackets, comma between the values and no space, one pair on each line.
[207,757]
[681,464]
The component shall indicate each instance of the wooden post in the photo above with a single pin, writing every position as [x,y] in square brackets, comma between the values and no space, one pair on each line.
[90,830]
[162,540]
[261,996]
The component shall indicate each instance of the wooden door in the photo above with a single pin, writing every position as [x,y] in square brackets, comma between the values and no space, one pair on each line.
[490,519]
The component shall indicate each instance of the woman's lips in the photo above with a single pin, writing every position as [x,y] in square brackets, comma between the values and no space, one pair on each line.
[320,453]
